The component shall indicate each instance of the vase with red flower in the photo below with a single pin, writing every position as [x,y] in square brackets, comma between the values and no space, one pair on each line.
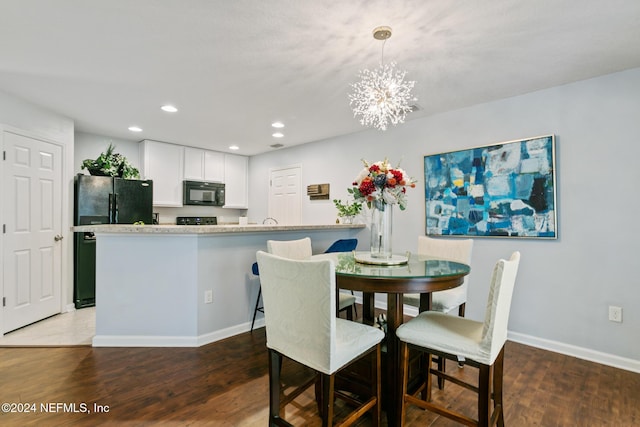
[381,186]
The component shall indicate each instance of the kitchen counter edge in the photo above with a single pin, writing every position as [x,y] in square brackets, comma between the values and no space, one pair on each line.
[205,229]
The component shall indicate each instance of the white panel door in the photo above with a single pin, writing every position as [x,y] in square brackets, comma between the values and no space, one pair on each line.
[284,196]
[32,215]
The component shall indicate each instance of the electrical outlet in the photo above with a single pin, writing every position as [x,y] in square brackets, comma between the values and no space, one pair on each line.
[208,296]
[615,314]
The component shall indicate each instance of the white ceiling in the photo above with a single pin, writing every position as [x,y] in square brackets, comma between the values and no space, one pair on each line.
[233,67]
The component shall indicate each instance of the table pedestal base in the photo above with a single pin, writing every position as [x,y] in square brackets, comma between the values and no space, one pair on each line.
[355,379]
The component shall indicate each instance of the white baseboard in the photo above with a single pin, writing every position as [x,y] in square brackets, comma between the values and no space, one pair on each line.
[228,332]
[170,341]
[579,352]
[143,341]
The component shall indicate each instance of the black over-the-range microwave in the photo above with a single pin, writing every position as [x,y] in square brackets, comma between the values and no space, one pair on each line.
[203,193]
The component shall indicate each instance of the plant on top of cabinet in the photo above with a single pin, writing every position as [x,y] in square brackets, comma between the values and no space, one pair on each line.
[109,163]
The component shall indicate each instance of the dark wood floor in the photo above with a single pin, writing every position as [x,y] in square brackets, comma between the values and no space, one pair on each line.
[225,384]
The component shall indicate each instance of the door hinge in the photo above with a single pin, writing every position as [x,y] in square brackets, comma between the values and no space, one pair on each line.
[4,301]
[4,228]
[4,155]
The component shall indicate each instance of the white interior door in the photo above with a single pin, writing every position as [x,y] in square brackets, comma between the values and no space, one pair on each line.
[284,196]
[32,225]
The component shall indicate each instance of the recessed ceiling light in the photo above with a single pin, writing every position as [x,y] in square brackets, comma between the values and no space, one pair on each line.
[169,108]
[277,135]
[277,125]
[135,129]
[234,147]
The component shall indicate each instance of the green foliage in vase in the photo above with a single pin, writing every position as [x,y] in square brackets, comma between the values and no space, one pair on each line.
[109,163]
[347,209]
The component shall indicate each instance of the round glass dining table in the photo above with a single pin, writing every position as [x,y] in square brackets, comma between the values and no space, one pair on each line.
[421,274]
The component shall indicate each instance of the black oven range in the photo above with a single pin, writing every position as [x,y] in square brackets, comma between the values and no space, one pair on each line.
[196,220]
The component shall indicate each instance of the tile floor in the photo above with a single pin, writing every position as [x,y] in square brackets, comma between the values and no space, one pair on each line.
[66,329]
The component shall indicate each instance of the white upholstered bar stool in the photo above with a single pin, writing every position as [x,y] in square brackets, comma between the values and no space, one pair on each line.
[301,324]
[301,249]
[481,343]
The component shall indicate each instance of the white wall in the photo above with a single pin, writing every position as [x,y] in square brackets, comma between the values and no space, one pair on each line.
[564,286]
[39,122]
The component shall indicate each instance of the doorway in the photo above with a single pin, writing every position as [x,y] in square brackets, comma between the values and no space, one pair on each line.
[284,195]
[32,230]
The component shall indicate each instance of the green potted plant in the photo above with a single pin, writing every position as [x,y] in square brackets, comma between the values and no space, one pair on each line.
[347,210]
[109,163]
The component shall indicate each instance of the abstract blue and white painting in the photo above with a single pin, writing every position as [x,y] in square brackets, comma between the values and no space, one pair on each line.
[500,190]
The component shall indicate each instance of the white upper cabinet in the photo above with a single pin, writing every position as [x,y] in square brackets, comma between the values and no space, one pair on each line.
[193,164]
[168,165]
[236,171]
[213,166]
[203,165]
[163,163]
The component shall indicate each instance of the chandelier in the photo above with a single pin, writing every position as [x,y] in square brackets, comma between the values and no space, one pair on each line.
[382,96]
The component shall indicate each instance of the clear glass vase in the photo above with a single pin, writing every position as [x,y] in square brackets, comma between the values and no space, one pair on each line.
[347,219]
[381,219]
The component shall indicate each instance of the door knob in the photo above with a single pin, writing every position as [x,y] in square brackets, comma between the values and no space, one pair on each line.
[58,238]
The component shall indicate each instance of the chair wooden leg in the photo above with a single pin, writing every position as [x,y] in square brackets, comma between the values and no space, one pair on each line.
[376,388]
[428,359]
[328,395]
[404,374]
[442,367]
[355,309]
[498,367]
[350,312]
[275,367]
[319,395]
[461,308]
[429,381]
[484,395]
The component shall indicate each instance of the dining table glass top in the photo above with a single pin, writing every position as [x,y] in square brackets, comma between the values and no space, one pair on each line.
[418,266]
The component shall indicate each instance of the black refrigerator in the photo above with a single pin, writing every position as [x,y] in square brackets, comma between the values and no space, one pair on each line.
[103,200]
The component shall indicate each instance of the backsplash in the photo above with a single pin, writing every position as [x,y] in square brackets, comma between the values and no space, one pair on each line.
[225,216]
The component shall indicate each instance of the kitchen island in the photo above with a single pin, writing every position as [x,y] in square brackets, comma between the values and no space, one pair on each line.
[152,281]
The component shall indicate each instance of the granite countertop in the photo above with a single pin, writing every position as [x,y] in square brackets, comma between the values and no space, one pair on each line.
[205,229]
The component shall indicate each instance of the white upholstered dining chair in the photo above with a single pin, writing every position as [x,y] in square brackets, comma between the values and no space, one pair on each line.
[301,324]
[458,250]
[301,249]
[481,344]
